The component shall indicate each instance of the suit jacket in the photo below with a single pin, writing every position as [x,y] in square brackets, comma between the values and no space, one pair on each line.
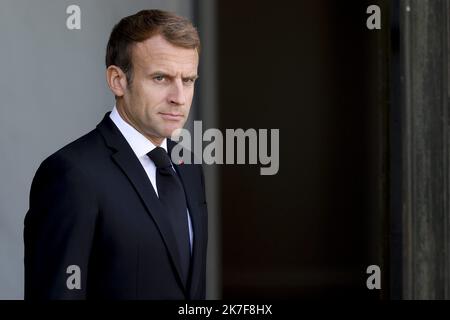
[93,206]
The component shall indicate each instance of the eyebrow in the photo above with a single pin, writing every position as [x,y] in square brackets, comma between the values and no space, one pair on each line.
[166,74]
[193,78]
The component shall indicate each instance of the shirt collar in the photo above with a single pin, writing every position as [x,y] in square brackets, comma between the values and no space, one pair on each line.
[138,142]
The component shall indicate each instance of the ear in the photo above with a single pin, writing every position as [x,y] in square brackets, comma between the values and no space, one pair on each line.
[117,80]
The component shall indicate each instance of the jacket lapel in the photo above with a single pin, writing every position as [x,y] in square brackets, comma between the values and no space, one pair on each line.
[188,178]
[130,165]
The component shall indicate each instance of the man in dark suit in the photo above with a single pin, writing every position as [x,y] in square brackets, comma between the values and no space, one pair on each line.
[111,216]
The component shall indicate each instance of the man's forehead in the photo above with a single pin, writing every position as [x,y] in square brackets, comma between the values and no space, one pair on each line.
[156,51]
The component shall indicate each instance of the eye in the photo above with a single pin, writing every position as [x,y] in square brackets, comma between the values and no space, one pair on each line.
[159,78]
[189,81]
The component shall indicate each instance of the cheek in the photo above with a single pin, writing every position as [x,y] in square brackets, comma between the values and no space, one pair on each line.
[144,103]
[189,95]
[153,99]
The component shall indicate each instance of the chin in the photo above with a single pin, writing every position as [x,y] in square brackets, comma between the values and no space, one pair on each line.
[166,134]
[170,131]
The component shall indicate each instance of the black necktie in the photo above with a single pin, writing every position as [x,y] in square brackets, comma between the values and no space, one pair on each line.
[172,197]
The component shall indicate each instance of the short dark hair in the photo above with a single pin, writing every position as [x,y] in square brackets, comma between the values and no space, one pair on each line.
[143,25]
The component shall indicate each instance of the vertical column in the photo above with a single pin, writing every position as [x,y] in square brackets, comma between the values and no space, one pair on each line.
[207,22]
[425,158]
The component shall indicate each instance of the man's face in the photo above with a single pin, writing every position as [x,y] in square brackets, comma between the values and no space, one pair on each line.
[160,95]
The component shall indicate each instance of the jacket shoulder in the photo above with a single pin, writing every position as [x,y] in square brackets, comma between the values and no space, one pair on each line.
[78,151]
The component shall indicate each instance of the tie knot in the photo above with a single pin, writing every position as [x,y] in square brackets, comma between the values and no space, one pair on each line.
[160,157]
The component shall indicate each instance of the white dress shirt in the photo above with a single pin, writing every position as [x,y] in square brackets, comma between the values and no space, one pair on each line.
[141,146]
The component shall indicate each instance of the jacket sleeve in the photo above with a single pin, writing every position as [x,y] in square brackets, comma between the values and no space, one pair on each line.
[58,232]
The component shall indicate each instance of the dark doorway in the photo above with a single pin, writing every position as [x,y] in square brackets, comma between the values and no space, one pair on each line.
[313,70]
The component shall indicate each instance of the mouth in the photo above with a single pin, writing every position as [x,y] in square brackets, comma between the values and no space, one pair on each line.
[171,116]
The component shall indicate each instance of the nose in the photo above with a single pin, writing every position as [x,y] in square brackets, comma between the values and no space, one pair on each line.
[177,96]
